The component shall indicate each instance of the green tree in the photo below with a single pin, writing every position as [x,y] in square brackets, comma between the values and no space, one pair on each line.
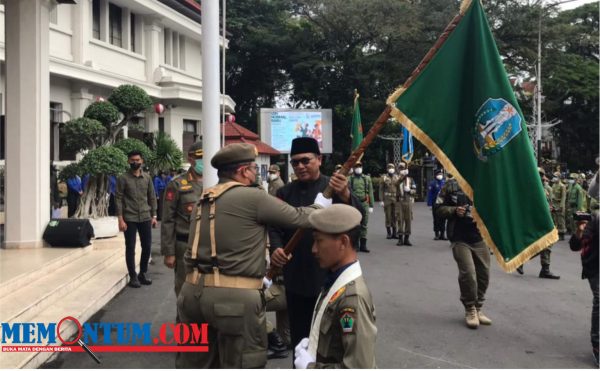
[166,154]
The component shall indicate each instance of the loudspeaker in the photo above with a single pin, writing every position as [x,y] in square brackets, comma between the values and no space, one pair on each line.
[68,232]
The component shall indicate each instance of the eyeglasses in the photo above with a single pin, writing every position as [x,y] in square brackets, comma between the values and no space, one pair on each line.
[253,167]
[304,161]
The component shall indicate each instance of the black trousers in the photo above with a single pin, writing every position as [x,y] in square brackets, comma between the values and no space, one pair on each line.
[72,202]
[439,223]
[300,311]
[594,331]
[145,231]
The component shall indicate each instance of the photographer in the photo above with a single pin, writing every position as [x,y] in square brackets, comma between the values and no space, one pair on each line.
[470,252]
[585,239]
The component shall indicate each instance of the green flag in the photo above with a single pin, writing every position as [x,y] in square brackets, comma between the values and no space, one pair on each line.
[357,132]
[462,108]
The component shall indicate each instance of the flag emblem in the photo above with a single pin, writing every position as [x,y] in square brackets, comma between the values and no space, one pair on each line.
[497,123]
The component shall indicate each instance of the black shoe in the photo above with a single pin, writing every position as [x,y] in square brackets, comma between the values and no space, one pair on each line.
[595,354]
[437,236]
[442,237]
[275,342]
[363,245]
[389,233]
[133,282]
[561,236]
[406,241]
[273,354]
[144,280]
[400,240]
[394,233]
[520,270]
[545,273]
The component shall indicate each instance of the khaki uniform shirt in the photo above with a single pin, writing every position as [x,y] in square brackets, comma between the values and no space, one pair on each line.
[559,196]
[387,188]
[274,186]
[135,199]
[406,196]
[241,218]
[181,195]
[348,332]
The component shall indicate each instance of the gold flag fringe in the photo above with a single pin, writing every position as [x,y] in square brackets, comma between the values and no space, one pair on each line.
[508,266]
[464,6]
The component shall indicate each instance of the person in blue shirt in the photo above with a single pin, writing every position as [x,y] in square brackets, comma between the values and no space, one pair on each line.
[160,184]
[439,223]
[75,190]
[112,189]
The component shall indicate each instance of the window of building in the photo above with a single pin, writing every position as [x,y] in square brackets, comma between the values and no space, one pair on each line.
[115,21]
[190,133]
[161,124]
[96,19]
[132,33]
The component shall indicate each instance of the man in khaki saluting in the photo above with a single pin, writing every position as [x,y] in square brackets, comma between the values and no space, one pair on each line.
[225,262]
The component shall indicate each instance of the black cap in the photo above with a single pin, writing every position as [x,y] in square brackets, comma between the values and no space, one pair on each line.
[305,145]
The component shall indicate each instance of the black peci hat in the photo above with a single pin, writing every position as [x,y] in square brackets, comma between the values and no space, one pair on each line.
[305,145]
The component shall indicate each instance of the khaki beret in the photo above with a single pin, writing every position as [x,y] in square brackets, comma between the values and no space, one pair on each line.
[541,171]
[391,166]
[337,218]
[232,154]
[196,149]
[274,168]
[358,164]
[402,165]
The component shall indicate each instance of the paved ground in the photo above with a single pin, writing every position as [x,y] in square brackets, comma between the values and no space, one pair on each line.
[536,323]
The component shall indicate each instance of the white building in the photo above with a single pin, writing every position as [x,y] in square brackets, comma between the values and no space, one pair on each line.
[87,47]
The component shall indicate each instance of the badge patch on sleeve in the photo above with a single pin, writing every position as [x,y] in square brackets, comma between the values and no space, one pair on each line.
[337,294]
[347,322]
[170,196]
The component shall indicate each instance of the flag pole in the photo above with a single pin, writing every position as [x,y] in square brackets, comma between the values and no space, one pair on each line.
[379,123]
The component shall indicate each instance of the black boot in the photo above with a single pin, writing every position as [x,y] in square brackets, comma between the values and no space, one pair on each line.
[520,269]
[133,281]
[276,346]
[363,245]
[437,235]
[389,233]
[400,240]
[442,236]
[561,236]
[144,280]
[545,273]
[406,241]
[394,233]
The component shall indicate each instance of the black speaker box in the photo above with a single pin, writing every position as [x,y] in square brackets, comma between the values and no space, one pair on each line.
[68,232]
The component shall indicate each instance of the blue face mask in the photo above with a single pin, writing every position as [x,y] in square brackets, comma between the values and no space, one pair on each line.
[199,167]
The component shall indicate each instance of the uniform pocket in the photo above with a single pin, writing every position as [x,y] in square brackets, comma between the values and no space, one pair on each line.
[230,318]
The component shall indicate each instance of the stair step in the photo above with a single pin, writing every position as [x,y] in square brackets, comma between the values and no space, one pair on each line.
[82,302]
[15,272]
[43,289]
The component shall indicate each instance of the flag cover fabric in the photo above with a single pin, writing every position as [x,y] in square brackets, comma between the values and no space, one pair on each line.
[407,145]
[462,108]
[357,132]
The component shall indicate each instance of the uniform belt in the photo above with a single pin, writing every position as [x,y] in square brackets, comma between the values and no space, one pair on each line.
[235,282]
[389,194]
[182,237]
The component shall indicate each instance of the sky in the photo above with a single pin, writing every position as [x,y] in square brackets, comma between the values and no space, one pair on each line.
[576,3]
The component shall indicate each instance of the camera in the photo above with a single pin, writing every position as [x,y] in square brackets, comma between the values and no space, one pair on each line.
[580,216]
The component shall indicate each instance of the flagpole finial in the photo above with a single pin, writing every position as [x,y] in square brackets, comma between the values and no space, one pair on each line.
[355,93]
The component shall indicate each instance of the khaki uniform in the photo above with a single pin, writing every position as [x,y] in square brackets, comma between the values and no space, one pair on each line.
[406,199]
[575,202]
[348,331]
[559,201]
[180,196]
[387,194]
[545,254]
[224,282]
[274,185]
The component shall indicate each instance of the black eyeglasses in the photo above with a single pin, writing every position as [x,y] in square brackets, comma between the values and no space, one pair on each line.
[304,161]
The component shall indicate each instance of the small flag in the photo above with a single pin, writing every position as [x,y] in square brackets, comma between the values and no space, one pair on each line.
[407,145]
[357,132]
[462,108]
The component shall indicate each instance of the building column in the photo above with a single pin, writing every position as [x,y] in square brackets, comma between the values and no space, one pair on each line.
[152,30]
[27,122]
[81,16]
[80,100]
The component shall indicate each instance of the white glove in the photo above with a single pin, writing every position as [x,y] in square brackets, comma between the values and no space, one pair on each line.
[381,204]
[406,189]
[303,344]
[370,210]
[267,283]
[321,200]
[303,358]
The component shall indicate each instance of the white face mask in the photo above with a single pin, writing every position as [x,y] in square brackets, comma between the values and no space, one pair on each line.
[272,176]
[571,181]
[391,171]
[439,177]
[358,170]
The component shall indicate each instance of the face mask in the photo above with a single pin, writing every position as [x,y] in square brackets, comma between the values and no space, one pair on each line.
[358,170]
[199,166]
[571,181]
[135,165]
[404,172]
[273,177]
[439,177]
[554,180]
[391,171]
